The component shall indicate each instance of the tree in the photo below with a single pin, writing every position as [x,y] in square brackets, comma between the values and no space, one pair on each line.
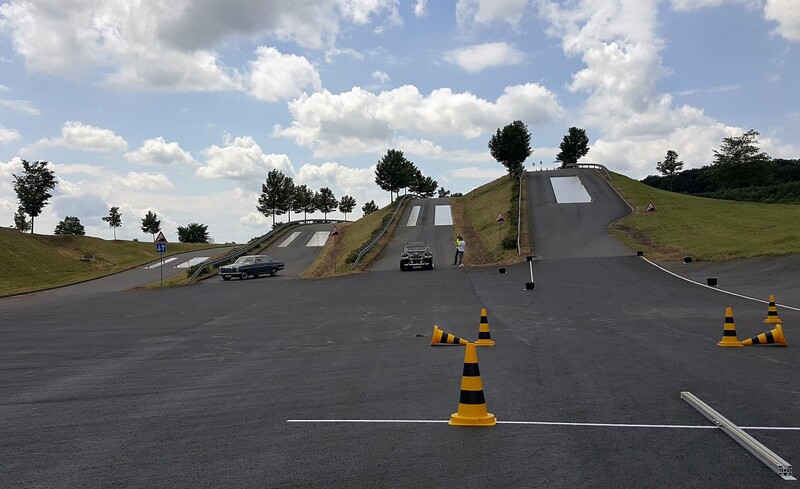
[325,201]
[394,172]
[511,146]
[741,163]
[346,204]
[443,192]
[21,222]
[276,194]
[70,225]
[574,146]
[303,200]
[33,187]
[193,233]
[369,207]
[151,223]
[670,165]
[422,185]
[114,219]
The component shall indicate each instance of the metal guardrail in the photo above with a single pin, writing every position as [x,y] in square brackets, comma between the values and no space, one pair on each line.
[519,214]
[255,244]
[363,251]
[595,166]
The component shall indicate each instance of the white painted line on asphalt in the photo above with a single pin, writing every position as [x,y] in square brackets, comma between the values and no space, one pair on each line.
[443,216]
[192,261]
[717,288]
[412,219]
[158,263]
[550,423]
[569,190]
[289,240]
[319,238]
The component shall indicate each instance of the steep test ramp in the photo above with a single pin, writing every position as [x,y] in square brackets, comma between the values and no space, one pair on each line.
[570,211]
[428,220]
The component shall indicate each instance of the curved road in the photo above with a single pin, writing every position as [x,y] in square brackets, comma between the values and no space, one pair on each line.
[247,386]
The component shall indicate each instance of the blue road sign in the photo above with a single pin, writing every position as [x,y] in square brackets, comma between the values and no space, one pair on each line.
[161,247]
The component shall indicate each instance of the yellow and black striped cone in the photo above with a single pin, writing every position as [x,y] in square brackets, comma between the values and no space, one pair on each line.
[729,333]
[774,336]
[442,338]
[484,335]
[471,403]
[772,312]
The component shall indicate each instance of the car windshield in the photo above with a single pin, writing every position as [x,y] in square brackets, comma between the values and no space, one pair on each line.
[245,260]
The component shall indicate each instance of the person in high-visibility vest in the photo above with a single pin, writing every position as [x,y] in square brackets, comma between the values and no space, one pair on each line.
[458,243]
[460,246]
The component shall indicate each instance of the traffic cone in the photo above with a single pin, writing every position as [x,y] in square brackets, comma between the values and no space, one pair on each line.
[442,338]
[774,336]
[772,312]
[484,335]
[729,333]
[471,403]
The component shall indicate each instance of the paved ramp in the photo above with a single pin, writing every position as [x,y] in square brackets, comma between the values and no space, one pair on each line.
[570,211]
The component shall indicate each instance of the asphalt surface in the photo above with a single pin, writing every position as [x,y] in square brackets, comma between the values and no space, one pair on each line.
[217,384]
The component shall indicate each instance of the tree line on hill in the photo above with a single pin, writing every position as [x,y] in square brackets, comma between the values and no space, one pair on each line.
[740,171]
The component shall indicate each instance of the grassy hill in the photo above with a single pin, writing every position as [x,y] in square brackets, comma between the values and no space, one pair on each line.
[706,229]
[35,261]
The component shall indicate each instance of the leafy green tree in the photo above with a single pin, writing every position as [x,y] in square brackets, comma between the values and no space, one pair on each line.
[369,207]
[193,233]
[422,185]
[325,201]
[574,146]
[70,225]
[346,204]
[276,195]
[21,222]
[741,163]
[670,165]
[151,223]
[303,200]
[114,219]
[443,192]
[33,187]
[394,172]
[511,146]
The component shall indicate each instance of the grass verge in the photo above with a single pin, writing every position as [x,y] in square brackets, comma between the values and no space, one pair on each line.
[35,262]
[706,229]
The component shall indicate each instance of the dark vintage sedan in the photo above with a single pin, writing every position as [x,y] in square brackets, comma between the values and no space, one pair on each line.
[416,254]
[251,266]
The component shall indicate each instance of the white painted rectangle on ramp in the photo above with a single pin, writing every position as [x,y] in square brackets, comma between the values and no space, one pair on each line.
[192,261]
[319,238]
[158,263]
[289,240]
[412,219]
[443,216]
[569,190]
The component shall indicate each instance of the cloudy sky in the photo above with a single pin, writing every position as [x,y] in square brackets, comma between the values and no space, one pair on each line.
[183,106]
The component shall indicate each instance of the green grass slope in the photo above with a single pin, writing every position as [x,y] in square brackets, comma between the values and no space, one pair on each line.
[706,229]
[34,262]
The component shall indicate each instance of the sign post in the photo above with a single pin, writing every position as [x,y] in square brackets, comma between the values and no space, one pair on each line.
[650,209]
[334,232]
[161,248]
[499,220]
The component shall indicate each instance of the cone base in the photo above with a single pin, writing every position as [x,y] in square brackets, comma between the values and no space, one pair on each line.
[729,343]
[484,343]
[773,320]
[457,420]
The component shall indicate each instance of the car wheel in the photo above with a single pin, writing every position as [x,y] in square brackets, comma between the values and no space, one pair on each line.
[244,275]
[402,268]
[273,272]
[225,277]
[430,266]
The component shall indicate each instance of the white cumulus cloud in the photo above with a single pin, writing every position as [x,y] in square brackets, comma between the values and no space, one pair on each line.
[488,11]
[787,14]
[482,56]
[241,159]
[8,135]
[159,152]
[83,137]
[274,76]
